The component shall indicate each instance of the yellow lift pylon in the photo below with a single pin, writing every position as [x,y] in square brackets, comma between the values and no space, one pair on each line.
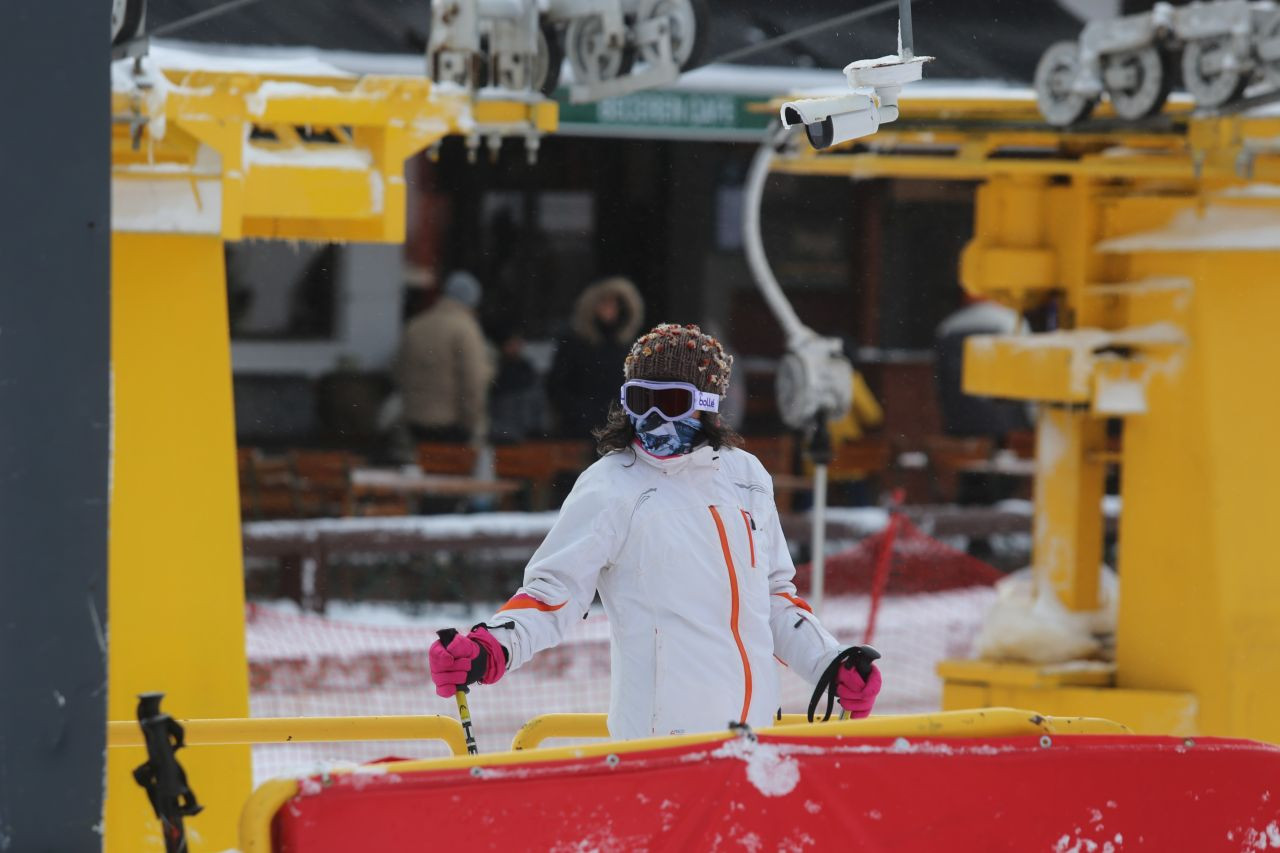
[1161,245]
[198,158]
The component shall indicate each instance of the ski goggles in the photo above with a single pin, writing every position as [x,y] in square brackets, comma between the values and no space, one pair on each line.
[671,400]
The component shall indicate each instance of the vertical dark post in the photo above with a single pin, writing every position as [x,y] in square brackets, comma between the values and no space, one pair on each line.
[904,29]
[55,232]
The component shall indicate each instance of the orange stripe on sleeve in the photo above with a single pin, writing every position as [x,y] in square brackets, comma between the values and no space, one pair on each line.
[796,600]
[524,601]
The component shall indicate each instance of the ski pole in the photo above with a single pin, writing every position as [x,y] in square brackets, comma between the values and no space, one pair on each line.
[464,713]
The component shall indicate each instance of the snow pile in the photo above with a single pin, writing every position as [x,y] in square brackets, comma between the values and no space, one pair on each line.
[1028,623]
[769,768]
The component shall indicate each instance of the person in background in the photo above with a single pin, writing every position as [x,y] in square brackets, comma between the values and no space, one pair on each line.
[584,375]
[517,405]
[443,367]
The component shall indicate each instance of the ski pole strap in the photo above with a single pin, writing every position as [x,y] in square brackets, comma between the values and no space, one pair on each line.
[854,657]
[162,777]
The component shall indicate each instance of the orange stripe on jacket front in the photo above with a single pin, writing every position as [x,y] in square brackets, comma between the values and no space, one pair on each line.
[733,612]
[524,601]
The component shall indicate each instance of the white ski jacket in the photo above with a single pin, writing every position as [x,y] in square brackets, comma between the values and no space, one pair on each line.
[693,570]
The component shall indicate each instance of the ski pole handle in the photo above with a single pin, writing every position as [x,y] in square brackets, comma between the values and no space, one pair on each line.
[446,636]
[861,658]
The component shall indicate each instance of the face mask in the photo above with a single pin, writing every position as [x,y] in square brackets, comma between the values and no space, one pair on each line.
[661,437]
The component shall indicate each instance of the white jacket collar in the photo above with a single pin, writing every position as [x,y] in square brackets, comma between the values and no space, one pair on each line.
[702,457]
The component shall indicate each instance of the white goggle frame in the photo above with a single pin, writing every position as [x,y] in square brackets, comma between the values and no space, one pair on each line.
[701,401]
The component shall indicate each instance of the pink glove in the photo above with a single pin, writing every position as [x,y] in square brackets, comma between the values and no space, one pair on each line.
[856,696]
[468,658]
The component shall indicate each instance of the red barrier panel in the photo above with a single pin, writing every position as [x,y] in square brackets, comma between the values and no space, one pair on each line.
[1078,793]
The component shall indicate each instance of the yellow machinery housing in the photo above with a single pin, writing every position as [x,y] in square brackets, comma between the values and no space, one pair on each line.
[200,157]
[1161,247]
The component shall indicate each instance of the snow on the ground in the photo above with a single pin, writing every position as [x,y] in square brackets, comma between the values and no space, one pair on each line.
[369,659]
[486,524]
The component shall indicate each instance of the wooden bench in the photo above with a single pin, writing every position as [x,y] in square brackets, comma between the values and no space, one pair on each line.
[538,463]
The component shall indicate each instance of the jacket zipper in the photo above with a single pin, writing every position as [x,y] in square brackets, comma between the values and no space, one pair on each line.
[733,611]
[751,540]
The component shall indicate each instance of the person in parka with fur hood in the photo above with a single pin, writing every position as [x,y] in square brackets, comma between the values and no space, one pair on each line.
[583,377]
[676,527]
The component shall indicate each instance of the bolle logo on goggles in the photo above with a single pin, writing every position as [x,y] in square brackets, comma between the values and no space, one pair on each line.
[708,402]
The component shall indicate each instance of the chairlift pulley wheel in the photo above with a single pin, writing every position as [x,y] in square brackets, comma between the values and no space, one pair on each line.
[1137,81]
[1056,74]
[690,22]
[1267,47]
[596,57]
[548,59]
[1212,72]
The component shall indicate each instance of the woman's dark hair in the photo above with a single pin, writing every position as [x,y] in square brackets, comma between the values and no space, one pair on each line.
[618,432]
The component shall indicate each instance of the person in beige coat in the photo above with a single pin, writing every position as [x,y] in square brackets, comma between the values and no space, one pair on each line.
[443,367]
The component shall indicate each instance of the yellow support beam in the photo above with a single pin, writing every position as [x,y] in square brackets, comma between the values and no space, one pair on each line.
[1068,496]
[126,733]
[175,583]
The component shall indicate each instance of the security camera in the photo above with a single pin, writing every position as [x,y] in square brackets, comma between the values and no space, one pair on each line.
[828,121]
[873,101]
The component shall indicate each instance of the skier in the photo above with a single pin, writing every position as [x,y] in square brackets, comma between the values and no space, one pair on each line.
[675,526]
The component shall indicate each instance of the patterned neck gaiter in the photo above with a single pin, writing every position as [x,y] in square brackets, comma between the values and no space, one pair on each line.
[662,437]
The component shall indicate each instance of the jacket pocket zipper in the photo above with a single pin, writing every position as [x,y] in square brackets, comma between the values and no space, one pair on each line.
[750,524]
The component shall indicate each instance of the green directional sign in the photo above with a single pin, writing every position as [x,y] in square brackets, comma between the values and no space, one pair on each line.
[668,114]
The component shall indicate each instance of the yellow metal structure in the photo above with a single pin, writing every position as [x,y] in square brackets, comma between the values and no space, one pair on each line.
[198,158]
[126,733]
[175,592]
[977,721]
[255,820]
[1159,248]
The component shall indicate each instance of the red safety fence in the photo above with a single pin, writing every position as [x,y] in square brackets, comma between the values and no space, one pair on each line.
[1078,793]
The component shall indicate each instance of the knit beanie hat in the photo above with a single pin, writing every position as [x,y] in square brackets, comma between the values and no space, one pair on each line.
[674,353]
[463,286]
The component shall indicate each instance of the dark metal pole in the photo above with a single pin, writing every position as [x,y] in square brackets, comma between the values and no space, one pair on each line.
[55,232]
[904,29]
